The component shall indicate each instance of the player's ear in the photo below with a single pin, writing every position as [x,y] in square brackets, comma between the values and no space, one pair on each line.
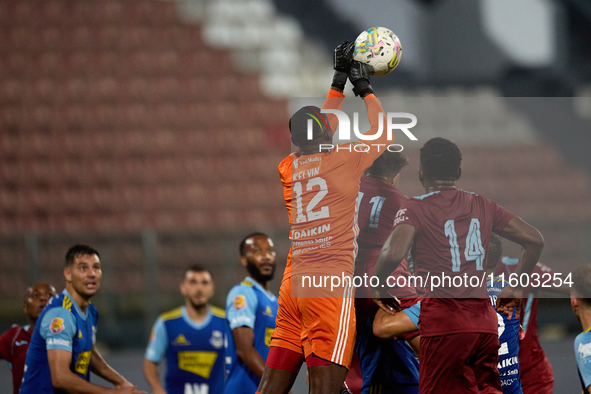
[243,261]
[459,174]
[68,273]
[421,175]
[395,180]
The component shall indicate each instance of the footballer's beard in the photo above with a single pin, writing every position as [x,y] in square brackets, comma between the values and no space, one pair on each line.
[197,306]
[576,313]
[256,274]
[85,292]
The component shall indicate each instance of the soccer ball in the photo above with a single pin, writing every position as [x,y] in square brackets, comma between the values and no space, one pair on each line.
[379,48]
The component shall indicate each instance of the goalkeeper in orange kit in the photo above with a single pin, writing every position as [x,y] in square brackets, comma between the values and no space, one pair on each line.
[320,190]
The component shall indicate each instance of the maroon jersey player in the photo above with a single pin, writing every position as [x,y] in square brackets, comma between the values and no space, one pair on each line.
[379,200]
[15,342]
[449,231]
[386,365]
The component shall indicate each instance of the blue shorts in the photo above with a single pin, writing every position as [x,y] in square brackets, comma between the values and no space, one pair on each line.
[413,313]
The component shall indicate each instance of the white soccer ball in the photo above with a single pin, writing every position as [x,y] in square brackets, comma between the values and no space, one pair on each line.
[379,48]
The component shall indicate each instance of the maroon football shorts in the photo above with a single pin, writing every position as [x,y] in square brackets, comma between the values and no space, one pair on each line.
[539,388]
[459,363]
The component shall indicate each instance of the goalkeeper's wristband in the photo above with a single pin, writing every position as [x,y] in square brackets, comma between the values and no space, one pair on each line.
[362,88]
[339,80]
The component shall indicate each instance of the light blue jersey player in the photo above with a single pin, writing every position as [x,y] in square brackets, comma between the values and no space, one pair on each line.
[393,366]
[509,340]
[65,335]
[191,339]
[251,310]
[583,354]
[580,300]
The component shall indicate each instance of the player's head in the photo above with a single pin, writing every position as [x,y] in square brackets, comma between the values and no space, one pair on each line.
[580,295]
[388,165]
[83,270]
[197,286]
[257,254]
[495,252]
[298,126]
[440,160]
[36,297]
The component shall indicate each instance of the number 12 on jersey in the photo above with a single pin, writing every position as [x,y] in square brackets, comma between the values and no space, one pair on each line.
[311,214]
[474,250]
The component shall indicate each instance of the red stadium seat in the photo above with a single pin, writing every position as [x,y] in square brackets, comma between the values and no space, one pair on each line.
[193,219]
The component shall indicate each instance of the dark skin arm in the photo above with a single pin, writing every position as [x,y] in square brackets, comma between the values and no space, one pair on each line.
[393,252]
[244,340]
[565,289]
[532,243]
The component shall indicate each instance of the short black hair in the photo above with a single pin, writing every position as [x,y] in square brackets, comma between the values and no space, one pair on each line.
[582,284]
[298,124]
[495,252]
[243,243]
[441,159]
[388,164]
[196,268]
[79,250]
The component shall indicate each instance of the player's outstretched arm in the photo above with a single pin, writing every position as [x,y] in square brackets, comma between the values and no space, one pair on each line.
[341,63]
[151,374]
[63,378]
[387,326]
[565,289]
[244,340]
[393,252]
[100,367]
[360,78]
[532,243]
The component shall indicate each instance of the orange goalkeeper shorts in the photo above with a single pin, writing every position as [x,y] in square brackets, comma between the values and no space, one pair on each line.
[322,326]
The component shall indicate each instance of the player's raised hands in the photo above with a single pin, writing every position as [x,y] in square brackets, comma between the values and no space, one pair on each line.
[509,298]
[341,62]
[342,57]
[360,77]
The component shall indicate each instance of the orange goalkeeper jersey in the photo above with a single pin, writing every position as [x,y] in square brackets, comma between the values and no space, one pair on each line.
[320,192]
